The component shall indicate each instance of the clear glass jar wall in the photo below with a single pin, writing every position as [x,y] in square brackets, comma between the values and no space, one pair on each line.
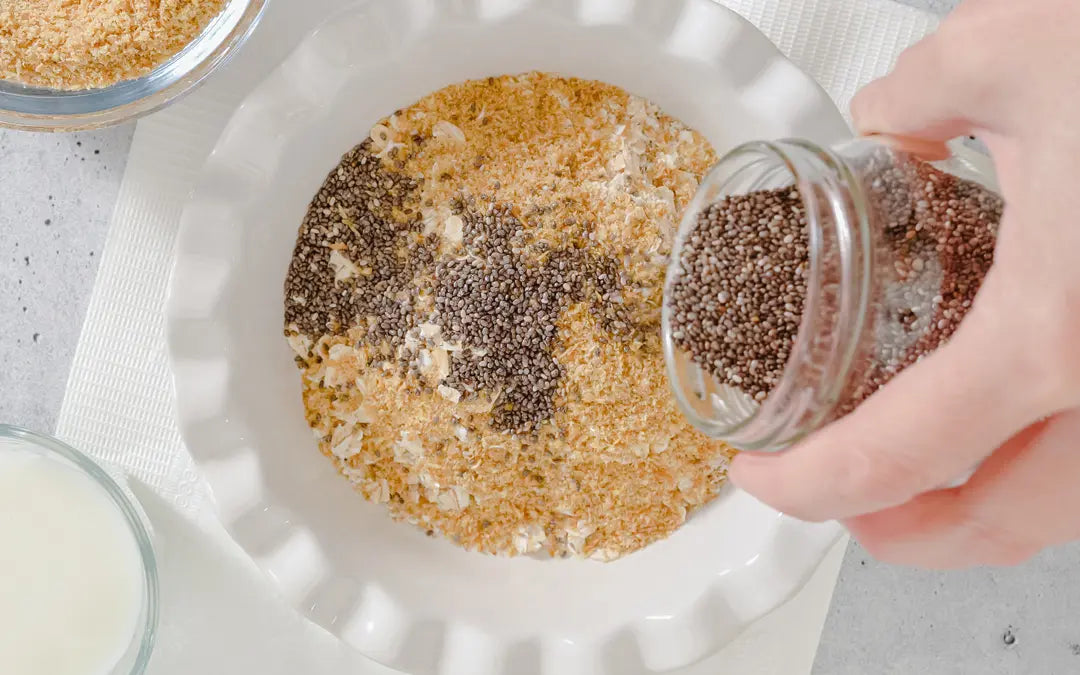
[895,251]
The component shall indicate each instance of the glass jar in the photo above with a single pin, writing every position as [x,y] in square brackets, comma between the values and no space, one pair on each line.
[895,249]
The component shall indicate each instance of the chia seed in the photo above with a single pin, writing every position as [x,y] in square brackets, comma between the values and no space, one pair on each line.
[502,308]
[739,296]
[939,232]
[507,312]
[354,213]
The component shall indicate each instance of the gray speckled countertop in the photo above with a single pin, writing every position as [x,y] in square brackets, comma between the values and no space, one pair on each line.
[56,196]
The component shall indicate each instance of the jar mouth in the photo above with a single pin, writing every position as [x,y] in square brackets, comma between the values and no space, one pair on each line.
[837,223]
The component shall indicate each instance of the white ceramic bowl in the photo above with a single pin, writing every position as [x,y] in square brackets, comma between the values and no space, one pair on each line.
[412,602]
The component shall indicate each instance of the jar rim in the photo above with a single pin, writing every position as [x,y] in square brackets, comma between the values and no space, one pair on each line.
[779,420]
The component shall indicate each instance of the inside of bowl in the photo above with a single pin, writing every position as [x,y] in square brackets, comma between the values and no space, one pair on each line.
[383,586]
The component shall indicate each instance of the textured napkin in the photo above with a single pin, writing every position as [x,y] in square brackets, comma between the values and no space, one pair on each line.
[119,401]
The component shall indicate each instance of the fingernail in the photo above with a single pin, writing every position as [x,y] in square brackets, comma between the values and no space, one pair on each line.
[928,150]
[755,456]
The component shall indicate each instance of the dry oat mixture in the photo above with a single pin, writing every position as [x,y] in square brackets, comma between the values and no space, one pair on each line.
[83,44]
[474,301]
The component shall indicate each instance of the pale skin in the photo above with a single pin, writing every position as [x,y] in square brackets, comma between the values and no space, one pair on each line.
[1004,394]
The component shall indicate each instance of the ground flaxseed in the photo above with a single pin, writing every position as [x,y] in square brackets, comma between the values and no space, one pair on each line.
[496,375]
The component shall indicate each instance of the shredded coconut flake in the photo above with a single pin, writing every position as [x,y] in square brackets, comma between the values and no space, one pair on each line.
[408,452]
[449,393]
[449,130]
[344,268]
[452,230]
[301,344]
[529,539]
[430,331]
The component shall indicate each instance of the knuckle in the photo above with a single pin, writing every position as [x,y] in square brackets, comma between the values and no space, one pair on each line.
[965,63]
[1061,335]
[878,547]
[882,478]
[1049,354]
[1001,544]
[915,55]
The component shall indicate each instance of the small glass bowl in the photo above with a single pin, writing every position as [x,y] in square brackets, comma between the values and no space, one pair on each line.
[41,109]
[137,655]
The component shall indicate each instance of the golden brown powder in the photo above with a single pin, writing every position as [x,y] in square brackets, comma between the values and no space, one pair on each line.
[572,154]
[83,44]
[587,166]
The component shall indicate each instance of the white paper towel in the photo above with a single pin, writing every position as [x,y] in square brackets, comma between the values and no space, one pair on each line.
[119,401]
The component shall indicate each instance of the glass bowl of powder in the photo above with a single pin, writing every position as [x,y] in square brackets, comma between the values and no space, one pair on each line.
[83,66]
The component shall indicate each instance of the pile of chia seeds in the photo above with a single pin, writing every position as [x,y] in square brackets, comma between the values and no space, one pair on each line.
[354,212]
[739,299]
[507,310]
[737,303]
[501,304]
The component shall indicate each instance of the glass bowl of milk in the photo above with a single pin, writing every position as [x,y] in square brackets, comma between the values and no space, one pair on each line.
[78,579]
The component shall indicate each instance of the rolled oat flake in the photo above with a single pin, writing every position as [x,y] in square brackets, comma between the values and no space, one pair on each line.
[789,303]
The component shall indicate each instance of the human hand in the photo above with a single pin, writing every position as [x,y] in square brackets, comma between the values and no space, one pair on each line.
[1005,391]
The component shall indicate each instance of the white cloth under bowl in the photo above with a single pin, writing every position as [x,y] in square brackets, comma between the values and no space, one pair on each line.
[217,615]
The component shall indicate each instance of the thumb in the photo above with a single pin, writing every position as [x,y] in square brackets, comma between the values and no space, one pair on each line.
[929,425]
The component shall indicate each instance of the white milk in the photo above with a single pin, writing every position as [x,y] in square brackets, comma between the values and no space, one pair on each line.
[70,571]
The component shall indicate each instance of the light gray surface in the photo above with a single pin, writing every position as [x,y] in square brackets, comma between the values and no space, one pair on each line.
[936,6]
[883,620]
[890,621]
[56,196]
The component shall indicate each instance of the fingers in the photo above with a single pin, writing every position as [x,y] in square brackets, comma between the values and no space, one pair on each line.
[1020,501]
[931,424]
[940,87]
[915,99]
[927,150]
